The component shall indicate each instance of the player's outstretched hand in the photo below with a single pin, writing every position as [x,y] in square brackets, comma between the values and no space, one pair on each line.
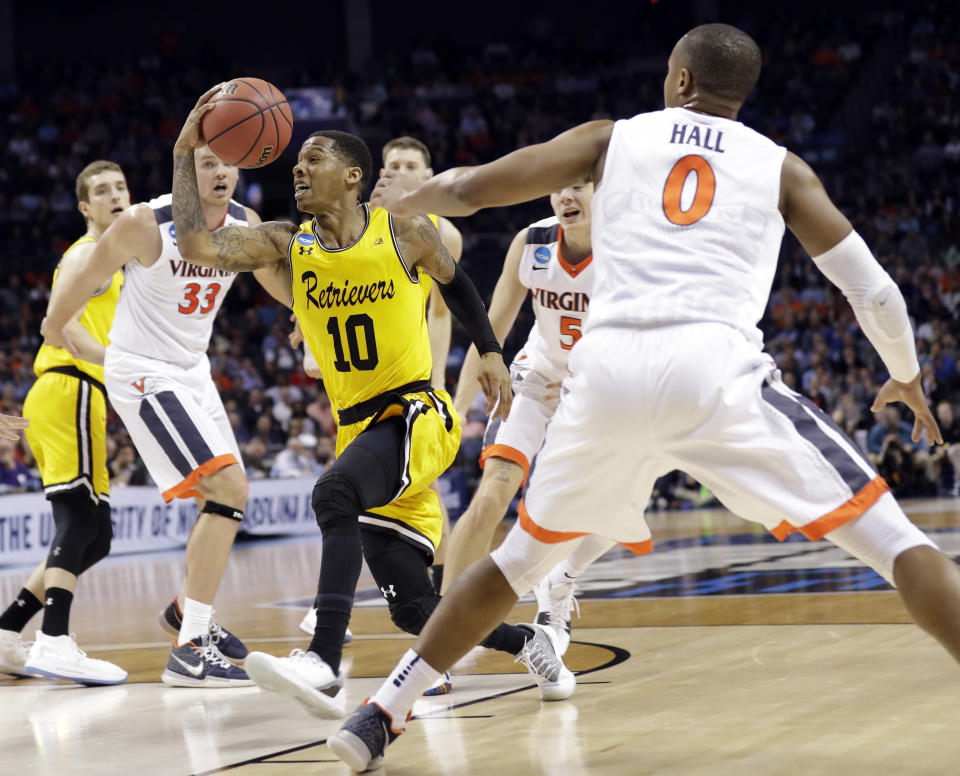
[11,425]
[494,379]
[57,338]
[191,136]
[390,191]
[911,394]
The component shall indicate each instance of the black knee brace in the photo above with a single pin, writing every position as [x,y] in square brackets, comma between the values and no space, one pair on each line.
[74,516]
[336,502]
[411,615]
[216,508]
[99,548]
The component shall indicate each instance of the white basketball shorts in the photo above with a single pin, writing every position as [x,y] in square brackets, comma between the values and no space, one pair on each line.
[519,437]
[699,397]
[175,418]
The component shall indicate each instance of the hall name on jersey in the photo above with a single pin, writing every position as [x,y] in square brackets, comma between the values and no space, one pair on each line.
[684,134]
[569,301]
[185,269]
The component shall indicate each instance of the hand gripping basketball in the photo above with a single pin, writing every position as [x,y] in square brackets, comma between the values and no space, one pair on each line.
[191,136]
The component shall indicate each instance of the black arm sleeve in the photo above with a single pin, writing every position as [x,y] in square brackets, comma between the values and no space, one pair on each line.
[464,302]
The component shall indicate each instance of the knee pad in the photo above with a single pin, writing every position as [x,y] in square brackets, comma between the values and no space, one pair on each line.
[336,502]
[411,615]
[99,548]
[75,518]
[216,508]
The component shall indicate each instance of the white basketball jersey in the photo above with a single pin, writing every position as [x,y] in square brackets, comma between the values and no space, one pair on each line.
[166,310]
[561,296]
[685,222]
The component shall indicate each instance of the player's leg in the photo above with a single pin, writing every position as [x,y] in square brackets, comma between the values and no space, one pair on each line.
[473,533]
[555,592]
[440,559]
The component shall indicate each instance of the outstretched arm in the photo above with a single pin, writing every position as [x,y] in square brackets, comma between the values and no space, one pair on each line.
[233,248]
[843,256]
[531,172]
[508,297]
[420,246]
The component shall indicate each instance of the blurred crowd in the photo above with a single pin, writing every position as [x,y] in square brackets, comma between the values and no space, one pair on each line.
[890,170]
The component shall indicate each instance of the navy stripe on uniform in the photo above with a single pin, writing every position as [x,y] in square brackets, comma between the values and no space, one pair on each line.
[149,416]
[163,214]
[185,426]
[490,434]
[542,235]
[236,210]
[846,465]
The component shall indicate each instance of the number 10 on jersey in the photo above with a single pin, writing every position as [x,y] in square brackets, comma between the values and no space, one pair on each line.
[354,327]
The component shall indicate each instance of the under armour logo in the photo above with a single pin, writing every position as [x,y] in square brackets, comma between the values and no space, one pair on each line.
[21,602]
[56,551]
[388,591]
[378,241]
[48,602]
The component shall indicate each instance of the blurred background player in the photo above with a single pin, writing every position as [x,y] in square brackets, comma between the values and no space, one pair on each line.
[552,259]
[68,407]
[358,300]
[159,382]
[409,156]
[670,373]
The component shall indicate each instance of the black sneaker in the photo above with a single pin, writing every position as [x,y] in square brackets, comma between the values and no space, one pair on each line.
[199,663]
[361,741]
[228,644]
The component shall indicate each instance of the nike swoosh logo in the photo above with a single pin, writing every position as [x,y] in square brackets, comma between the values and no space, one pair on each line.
[536,269]
[192,670]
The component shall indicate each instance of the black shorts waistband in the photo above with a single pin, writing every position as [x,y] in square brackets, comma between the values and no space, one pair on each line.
[371,407]
[72,371]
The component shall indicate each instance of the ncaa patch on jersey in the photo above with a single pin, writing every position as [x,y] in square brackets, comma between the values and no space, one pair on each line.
[305,239]
[542,254]
[173,234]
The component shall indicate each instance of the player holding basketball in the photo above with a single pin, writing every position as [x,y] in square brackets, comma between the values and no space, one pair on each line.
[670,372]
[68,436]
[355,274]
[553,260]
[158,379]
[409,156]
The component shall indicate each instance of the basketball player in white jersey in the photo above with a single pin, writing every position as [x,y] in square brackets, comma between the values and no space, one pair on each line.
[670,373]
[158,380]
[552,260]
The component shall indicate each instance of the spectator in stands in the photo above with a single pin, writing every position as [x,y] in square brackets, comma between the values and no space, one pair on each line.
[14,475]
[297,458]
[255,459]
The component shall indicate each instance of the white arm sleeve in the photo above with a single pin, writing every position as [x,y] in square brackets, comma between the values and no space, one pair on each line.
[876,301]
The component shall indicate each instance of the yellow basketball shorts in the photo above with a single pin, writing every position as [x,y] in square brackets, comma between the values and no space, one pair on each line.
[68,432]
[429,446]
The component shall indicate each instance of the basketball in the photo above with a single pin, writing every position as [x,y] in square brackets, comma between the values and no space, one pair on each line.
[251,124]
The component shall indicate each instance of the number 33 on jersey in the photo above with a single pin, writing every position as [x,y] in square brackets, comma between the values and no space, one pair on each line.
[361,311]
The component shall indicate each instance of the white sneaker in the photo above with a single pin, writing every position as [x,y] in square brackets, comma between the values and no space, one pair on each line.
[554,605]
[540,657]
[309,624]
[13,653]
[59,657]
[303,676]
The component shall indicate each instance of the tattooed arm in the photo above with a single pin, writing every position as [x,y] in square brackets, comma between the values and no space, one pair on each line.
[420,246]
[233,248]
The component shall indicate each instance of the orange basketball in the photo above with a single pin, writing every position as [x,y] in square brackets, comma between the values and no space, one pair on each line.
[251,124]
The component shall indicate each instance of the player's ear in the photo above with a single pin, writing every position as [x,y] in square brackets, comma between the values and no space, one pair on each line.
[354,175]
[84,209]
[685,84]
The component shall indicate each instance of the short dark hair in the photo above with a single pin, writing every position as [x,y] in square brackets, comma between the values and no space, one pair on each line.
[94,168]
[404,143]
[352,150]
[724,61]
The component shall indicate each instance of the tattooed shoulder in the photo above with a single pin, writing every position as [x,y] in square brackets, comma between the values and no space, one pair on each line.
[241,248]
[418,237]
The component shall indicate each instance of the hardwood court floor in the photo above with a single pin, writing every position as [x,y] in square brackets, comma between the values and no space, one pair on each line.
[722,653]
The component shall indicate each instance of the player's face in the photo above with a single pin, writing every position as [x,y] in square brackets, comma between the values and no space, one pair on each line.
[571,205]
[108,197]
[216,180]
[407,161]
[320,177]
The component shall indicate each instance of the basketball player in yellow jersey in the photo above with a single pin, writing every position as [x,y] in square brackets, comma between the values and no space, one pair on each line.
[67,405]
[355,287]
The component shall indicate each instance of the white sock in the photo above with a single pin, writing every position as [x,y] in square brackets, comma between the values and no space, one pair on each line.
[404,686]
[589,550]
[196,620]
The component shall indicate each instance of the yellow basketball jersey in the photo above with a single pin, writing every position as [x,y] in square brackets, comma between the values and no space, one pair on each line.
[97,318]
[426,282]
[361,311]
